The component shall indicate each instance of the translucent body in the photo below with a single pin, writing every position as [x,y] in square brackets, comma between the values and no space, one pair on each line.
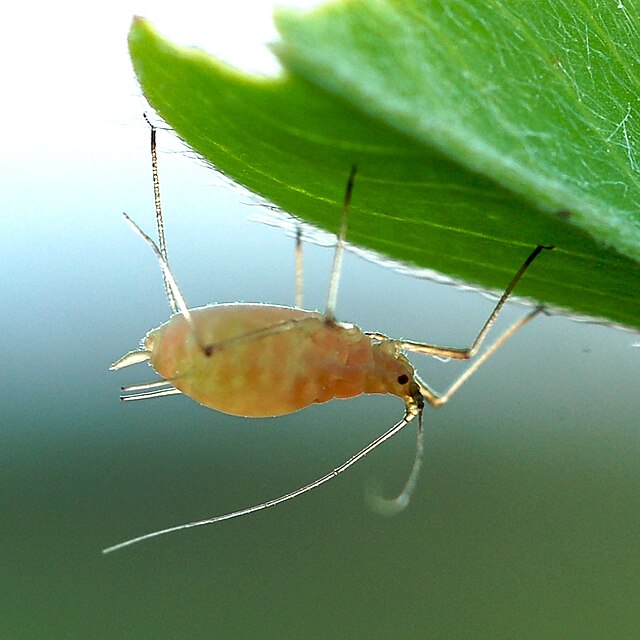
[258,360]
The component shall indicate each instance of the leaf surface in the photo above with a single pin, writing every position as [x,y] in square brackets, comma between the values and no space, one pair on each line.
[463,121]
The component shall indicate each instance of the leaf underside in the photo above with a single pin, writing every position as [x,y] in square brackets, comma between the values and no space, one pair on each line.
[456,173]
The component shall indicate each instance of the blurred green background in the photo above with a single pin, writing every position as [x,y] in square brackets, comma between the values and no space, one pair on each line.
[525,523]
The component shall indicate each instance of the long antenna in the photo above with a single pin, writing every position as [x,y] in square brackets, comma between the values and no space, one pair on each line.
[409,415]
[392,506]
[337,258]
[162,244]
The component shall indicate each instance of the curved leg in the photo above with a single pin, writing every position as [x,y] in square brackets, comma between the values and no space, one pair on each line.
[437,400]
[457,353]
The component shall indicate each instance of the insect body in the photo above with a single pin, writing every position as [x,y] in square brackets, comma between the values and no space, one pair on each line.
[300,359]
[258,360]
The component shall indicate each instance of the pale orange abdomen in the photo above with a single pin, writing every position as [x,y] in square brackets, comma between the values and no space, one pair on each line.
[268,374]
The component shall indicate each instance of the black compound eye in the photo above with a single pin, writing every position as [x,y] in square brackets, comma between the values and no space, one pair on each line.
[403,379]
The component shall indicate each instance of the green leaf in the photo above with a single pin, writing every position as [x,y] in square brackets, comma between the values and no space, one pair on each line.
[476,131]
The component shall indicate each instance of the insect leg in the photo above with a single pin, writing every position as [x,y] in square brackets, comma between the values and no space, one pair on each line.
[411,412]
[299,272]
[334,280]
[392,506]
[177,296]
[159,218]
[469,352]
[437,400]
[264,332]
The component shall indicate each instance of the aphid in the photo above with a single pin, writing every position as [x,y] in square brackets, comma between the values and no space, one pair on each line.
[259,360]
